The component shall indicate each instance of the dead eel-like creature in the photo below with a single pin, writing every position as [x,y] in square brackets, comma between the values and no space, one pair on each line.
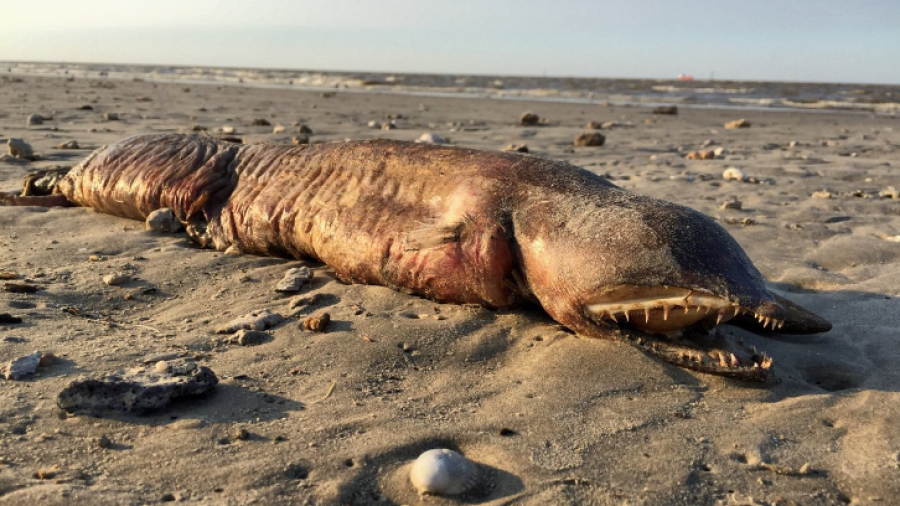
[463,226]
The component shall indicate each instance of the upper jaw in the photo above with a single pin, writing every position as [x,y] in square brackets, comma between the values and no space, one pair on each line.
[669,309]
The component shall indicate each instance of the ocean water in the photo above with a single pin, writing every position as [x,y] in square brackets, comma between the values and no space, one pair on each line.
[871,98]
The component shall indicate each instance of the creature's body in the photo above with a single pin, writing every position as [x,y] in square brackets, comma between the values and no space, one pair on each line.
[454,225]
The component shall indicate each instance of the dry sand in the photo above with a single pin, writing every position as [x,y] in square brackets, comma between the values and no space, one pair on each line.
[336,417]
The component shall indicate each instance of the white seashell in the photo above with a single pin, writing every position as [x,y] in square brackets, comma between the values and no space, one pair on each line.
[444,472]
[734,174]
[431,138]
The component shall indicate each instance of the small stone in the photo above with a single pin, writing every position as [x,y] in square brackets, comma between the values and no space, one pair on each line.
[529,118]
[298,140]
[73,144]
[732,203]
[257,320]
[303,129]
[278,129]
[138,390]
[227,129]
[594,125]
[111,116]
[163,221]
[738,123]
[294,279]
[240,434]
[733,174]
[373,124]
[23,366]
[432,138]
[443,472]
[590,139]
[20,149]
[704,154]
[116,279]
[102,442]
[822,194]
[390,125]
[34,119]
[718,152]
[665,109]
[317,323]
[889,193]
[246,337]
[517,148]
[261,122]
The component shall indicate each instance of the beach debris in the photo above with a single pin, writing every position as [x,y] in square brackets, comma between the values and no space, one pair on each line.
[34,119]
[744,222]
[278,129]
[246,337]
[111,116]
[317,323]
[8,318]
[73,144]
[257,320]
[20,288]
[594,125]
[294,279]
[304,129]
[20,149]
[20,367]
[517,148]
[732,203]
[297,140]
[822,194]
[734,174]
[138,390]
[163,220]
[116,279]
[390,125]
[432,138]
[227,130]
[443,472]
[665,109]
[889,193]
[703,154]
[590,139]
[529,118]
[738,123]
[373,124]
[261,122]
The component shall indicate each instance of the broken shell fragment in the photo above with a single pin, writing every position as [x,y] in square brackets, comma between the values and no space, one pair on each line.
[443,472]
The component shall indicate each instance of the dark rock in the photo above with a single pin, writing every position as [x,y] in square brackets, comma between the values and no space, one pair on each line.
[138,390]
[590,139]
[665,109]
[529,118]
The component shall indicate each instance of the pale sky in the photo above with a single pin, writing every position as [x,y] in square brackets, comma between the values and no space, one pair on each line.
[800,40]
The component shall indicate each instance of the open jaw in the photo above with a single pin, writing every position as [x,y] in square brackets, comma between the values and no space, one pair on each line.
[674,324]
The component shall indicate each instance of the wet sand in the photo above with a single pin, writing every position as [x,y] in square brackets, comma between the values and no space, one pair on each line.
[551,418]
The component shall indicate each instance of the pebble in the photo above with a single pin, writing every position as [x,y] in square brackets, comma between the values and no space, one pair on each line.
[529,118]
[431,138]
[303,129]
[823,194]
[733,174]
[738,123]
[732,203]
[227,129]
[390,125]
[594,125]
[590,139]
[73,144]
[257,320]
[111,116]
[163,221]
[889,193]
[116,279]
[138,390]
[718,152]
[703,154]
[23,366]
[517,148]
[665,109]
[443,472]
[294,279]
[298,140]
[261,122]
[317,323]
[246,337]
[278,129]
[373,124]
[34,119]
[20,149]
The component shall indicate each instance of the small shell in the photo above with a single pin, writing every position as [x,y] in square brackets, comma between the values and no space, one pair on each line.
[444,472]
[734,174]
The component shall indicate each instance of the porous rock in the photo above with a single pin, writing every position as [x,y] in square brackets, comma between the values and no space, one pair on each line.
[590,139]
[20,149]
[23,366]
[294,279]
[257,320]
[529,118]
[138,390]
[246,337]
[34,119]
[163,220]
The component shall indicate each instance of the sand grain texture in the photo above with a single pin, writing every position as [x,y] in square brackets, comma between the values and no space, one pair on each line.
[337,417]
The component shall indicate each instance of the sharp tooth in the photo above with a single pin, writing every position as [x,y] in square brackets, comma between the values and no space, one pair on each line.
[722,362]
[647,314]
[720,318]
[734,360]
[614,317]
[737,310]
[665,312]
[686,309]
[627,318]
[780,323]
[766,323]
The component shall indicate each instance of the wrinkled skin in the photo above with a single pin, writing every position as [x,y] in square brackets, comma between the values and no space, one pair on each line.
[457,225]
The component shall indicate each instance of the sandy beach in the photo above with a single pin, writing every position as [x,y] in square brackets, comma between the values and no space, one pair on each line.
[550,418]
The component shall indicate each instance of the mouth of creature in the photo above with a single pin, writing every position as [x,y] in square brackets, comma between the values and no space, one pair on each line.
[675,322]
